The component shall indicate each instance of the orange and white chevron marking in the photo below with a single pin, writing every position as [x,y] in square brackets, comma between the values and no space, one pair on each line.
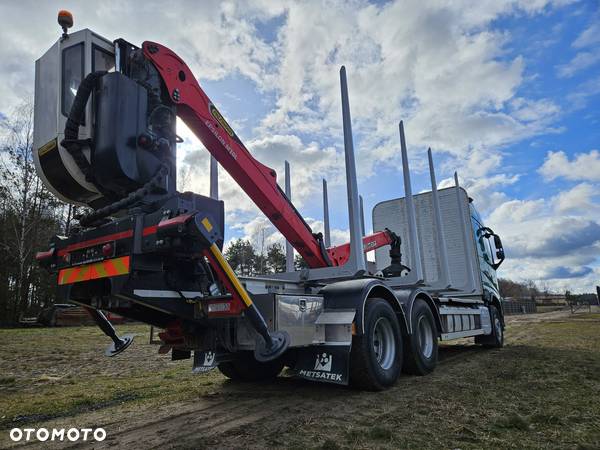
[102,269]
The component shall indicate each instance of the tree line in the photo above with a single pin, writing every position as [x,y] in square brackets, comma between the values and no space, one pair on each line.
[525,289]
[246,261]
[29,216]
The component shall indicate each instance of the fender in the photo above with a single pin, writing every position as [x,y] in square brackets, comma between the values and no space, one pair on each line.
[353,294]
[493,300]
[407,298]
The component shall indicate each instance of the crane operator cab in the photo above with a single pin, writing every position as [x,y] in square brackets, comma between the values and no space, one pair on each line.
[121,116]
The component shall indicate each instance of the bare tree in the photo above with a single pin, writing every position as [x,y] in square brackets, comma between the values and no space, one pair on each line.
[29,214]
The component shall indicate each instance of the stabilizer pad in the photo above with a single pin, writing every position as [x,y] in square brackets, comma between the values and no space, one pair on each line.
[281,342]
[126,339]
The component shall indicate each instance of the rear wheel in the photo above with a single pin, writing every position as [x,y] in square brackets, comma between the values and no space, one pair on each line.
[376,355]
[246,368]
[496,339]
[421,355]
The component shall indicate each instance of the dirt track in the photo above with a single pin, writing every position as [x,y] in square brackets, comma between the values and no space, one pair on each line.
[240,415]
[235,414]
[299,414]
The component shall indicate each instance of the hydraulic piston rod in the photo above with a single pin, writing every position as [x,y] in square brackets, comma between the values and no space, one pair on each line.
[272,344]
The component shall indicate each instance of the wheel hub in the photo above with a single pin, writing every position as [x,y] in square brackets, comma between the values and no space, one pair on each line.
[425,334]
[384,344]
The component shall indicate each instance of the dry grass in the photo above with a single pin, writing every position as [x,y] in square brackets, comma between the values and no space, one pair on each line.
[60,372]
[541,391]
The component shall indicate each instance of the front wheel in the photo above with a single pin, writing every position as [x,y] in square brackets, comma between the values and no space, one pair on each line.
[376,355]
[496,339]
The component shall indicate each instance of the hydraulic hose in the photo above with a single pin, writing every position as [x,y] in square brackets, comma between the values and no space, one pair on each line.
[74,146]
[76,116]
[132,198]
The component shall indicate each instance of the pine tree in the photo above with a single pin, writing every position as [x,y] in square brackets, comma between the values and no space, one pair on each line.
[275,258]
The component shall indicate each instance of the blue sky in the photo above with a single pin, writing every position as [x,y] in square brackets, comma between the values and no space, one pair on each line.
[504,91]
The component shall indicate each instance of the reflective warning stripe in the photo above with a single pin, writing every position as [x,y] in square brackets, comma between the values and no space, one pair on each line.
[103,269]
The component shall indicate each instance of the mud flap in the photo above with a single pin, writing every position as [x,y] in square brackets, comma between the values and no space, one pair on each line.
[326,363]
[207,360]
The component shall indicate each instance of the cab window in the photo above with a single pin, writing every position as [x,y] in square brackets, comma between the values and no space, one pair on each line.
[483,243]
[102,59]
[72,75]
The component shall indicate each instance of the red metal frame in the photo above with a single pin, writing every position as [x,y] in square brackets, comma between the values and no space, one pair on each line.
[257,180]
[174,221]
[340,254]
[39,256]
[237,302]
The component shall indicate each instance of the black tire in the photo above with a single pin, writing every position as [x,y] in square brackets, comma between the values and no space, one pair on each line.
[496,339]
[246,368]
[376,355]
[421,353]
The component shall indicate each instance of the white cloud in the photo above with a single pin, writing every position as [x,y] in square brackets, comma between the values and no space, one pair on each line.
[439,68]
[589,36]
[551,241]
[579,62]
[583,196]
[581,96]
[584,166]
[309,163]
[517,211]
[534,110]
[589,54]
[485,190]
[261,233]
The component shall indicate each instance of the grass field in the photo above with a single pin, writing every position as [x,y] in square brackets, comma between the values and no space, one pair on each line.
[541,391]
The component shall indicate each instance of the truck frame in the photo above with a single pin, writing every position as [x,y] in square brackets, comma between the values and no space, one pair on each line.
[105,137]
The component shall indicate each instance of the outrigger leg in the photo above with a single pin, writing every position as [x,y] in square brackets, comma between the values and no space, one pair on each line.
[119,343]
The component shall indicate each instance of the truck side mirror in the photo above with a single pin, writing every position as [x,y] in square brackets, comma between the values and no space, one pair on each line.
[499,250]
